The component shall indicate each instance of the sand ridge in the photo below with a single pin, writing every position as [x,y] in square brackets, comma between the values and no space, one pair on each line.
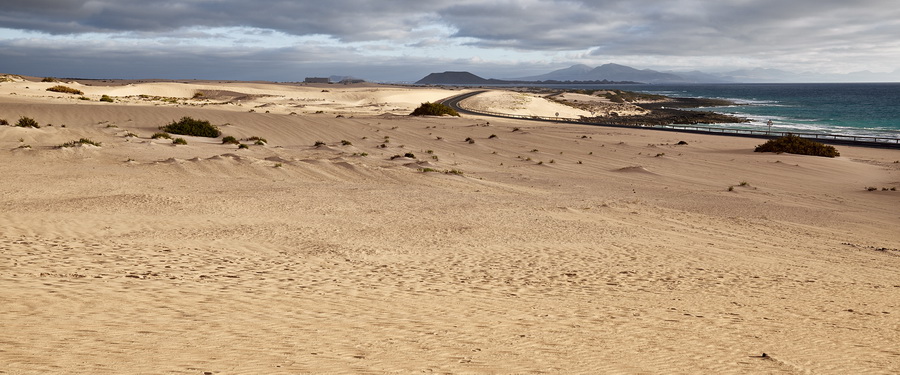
[558,249]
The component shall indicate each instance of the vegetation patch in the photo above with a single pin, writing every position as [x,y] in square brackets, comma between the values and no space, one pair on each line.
[65,90]
[230,140]
[27,122]
[619,96]
[106,98]
[190,126]
[179,141]
[161,135]
[257,140]
[445,171]
[434,109]
[82,141]
[793,144]
[4,122]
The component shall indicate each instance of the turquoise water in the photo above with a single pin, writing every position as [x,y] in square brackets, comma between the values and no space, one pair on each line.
[862,109]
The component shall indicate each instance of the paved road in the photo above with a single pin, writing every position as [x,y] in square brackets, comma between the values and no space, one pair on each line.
[453,102]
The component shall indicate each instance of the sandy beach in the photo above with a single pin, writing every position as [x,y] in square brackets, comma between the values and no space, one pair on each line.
[550,249]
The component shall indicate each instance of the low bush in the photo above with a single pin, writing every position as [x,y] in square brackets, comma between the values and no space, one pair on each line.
[49,79]
[27,122]
[257,140]
[189,126]
[793,144]
[243,146]
[318,144]
[434,109]
[179,141]
[4,122]
[161,135]
[82,141]
[65,90]
[106,98]
[230,140]
[345,142]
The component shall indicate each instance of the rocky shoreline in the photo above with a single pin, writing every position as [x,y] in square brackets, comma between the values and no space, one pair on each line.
[672,111]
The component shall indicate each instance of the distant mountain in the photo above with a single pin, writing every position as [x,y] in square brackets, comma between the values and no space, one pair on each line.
[456,78]
[466,78]
[572,73]
[619,74]
[609,72]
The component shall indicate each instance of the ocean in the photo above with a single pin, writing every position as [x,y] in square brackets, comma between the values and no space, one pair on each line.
[860,109]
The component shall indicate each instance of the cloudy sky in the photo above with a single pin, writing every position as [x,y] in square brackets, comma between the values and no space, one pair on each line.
[404,40]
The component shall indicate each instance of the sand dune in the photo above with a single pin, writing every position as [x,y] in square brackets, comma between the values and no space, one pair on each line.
[559,249]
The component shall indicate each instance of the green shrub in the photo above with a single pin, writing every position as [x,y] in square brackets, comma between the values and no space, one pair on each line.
[258,140]
[318,144]
[795,145]
[161,135]
[27,122]
[230,140]
[106,98]
[242,146]
[65,90]
[82,141]
[179,141]
[49,79]
[189,126]
[4,122]
[434,109]
[84,98]
[346,142]
[409,155]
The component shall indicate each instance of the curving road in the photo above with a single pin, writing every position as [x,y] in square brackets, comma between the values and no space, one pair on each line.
[453,102]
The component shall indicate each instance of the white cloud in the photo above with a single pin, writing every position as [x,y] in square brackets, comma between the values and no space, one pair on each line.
[825,35]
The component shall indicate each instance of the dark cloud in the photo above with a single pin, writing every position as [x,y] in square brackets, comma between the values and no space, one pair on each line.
[343,19]
[521,24]
[798,30]
[114,60]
